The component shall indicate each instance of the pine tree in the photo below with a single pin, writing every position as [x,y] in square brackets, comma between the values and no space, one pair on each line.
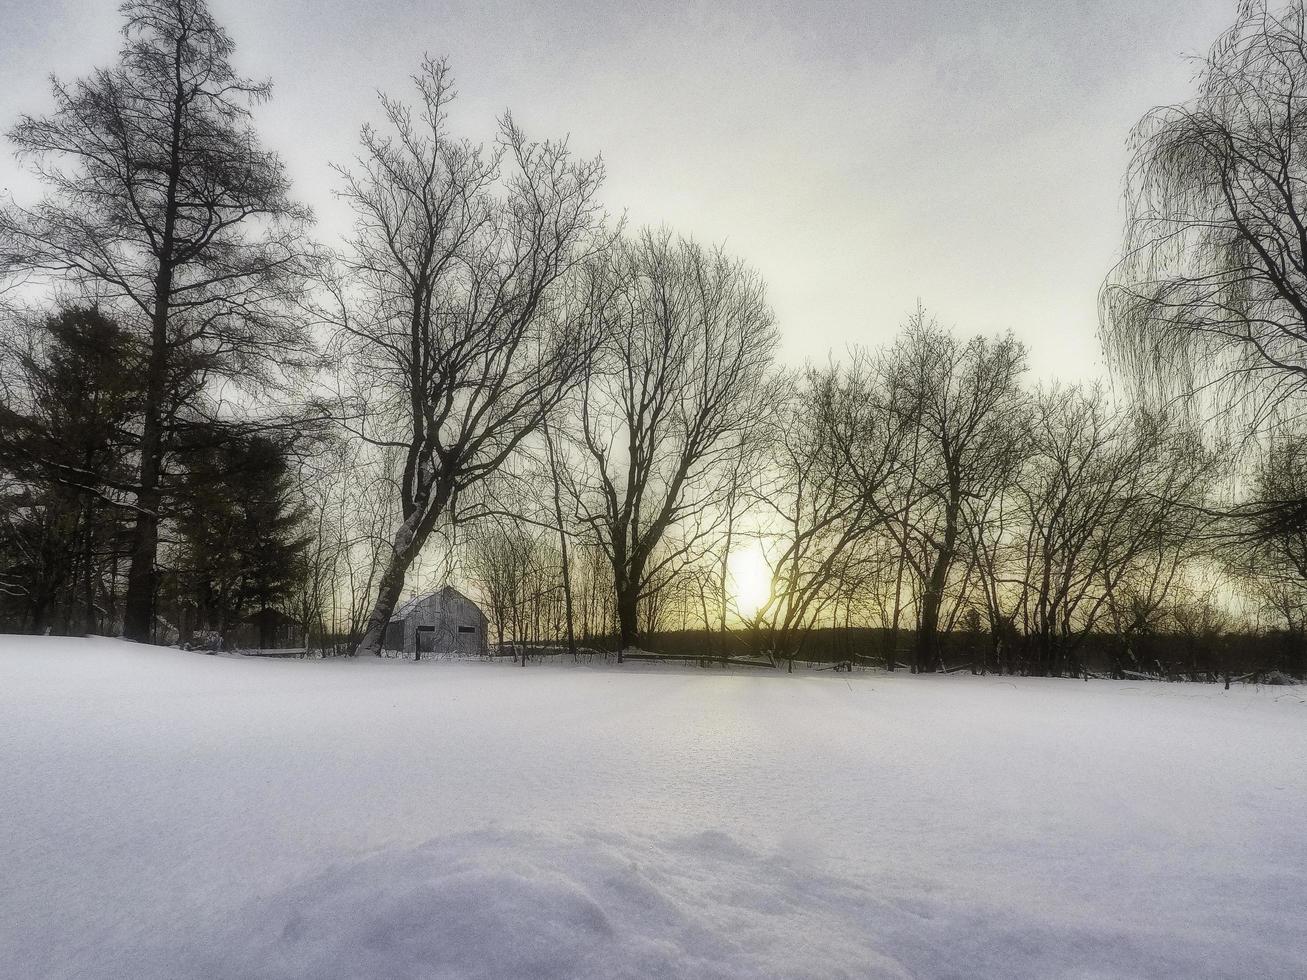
[65,436]
[241,525]
[162,203]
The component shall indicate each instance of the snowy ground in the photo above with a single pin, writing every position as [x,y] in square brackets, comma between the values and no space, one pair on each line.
[165,814]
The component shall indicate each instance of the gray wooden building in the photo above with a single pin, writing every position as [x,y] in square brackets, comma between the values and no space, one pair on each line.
[445,622]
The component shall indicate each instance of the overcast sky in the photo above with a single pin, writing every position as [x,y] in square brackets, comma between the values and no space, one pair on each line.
[861,155]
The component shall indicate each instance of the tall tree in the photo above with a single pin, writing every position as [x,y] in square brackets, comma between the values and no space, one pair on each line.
[564,556]
[162,203]
[1210,298]
[453,307]
[503,559]
[964,399]
[689,342]
[836,449]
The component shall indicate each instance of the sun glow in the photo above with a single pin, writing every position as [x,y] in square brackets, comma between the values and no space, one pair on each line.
[750,578]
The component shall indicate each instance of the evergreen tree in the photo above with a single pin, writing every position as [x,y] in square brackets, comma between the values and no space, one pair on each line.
[242,530]
[162,203]
[66,429]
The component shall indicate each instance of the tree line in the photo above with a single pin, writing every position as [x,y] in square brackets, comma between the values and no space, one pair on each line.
[205,413]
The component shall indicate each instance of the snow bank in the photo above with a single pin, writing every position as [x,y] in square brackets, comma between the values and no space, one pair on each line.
[494,904]
[182,815]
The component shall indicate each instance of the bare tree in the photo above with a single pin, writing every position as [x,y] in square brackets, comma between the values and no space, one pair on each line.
[1201,623]
[1265,545]
[689,340]
[836,448]
[503,559]
[564,549]
[163,206]
[991,518]
[351,508]
[1210,299]
[1106,499]
[964,398]
[452,310]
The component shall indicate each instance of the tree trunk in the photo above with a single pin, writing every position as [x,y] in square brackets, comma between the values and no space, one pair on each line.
[893,643]
[138,604]
[927,640]
[725,571]
[388,592]
[562,546]
[628,626]
[88,571]
[1044,653]
[932,597]
[405,547]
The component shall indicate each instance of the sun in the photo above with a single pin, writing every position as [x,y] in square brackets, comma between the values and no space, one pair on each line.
[750,580]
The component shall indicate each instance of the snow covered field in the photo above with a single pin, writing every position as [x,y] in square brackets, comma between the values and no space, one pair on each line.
[165,814]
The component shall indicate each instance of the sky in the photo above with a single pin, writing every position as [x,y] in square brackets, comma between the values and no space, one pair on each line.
[863,156]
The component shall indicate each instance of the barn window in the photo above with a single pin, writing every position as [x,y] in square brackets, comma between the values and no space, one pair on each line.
[467,629]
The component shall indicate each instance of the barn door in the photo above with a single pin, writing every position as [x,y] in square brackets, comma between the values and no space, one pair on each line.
[426,639]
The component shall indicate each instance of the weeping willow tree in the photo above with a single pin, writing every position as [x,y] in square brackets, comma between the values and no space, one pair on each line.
[1208,305]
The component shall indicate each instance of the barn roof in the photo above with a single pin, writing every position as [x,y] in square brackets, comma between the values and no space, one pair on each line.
[406,608]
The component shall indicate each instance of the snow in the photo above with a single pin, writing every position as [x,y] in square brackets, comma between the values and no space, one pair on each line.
[170,814]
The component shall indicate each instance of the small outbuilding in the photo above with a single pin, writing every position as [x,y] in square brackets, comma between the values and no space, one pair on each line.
[267,629]
[445,622]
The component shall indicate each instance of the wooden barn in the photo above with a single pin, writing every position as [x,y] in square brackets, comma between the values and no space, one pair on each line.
[445,622]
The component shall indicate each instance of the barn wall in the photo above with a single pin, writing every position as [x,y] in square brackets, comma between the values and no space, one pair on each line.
[444,612]
[394,638]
